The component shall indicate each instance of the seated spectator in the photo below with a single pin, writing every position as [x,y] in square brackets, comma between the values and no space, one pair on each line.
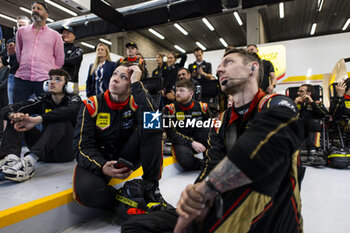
[109,127]
[184,74]
[134,57]
[158,72]
[340,107]
[56,111]
[100,72]
[311,112]
[187,140]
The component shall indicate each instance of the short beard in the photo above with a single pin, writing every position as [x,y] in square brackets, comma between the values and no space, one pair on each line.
[37,18]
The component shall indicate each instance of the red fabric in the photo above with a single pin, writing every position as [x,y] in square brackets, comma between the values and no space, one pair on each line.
[114,105]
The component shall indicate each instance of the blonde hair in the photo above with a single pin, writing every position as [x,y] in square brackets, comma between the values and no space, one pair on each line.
[108,57]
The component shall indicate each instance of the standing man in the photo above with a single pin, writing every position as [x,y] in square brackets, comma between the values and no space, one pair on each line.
[200,69]
[251,167]
[39,49]
[73,55]
[10,58]
[133,58]
[269,81]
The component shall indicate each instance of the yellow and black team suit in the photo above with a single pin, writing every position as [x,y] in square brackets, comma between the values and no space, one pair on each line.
[312,114]
[340,112]
[262,139]
[182,137]
[107,131]
[54,142]
[141,63]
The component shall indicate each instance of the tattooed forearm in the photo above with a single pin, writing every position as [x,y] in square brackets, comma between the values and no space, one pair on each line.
[227,176]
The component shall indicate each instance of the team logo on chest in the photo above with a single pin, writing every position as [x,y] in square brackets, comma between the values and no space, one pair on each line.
[103,120]
[180,116]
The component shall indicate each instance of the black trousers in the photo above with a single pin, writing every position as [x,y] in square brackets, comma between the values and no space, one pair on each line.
[53,144]
[155,222]
[185,157]
[141,148]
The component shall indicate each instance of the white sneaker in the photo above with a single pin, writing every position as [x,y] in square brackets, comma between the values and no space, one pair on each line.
[21,171]
[8,161]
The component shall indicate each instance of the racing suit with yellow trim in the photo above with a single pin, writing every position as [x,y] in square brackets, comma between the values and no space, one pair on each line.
[182,136]
[263,143]
[107,131]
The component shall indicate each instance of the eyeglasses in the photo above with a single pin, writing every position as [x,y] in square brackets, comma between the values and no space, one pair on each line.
[55,79]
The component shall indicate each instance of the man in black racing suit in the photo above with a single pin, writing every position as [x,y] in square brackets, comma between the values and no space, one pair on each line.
[251,172]
[109,126]
[190,137]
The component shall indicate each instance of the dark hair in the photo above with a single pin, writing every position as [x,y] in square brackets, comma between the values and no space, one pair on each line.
[347,83]
[43,4]
[23,17]
[196,49]
[252,45]
[60,72]
[183,68]
[185,83]
[309,88]
[248,57]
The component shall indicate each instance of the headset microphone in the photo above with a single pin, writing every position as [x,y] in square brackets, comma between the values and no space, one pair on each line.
[251,72]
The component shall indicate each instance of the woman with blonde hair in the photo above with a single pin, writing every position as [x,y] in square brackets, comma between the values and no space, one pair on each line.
[100,72]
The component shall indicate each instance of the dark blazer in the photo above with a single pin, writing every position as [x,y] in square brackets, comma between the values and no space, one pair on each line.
[95,87]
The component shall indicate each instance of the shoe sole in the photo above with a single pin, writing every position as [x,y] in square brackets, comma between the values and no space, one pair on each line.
[19,179]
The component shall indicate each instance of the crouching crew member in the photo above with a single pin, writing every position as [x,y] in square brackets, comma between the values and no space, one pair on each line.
[57,112]
[190,137]
[109,127]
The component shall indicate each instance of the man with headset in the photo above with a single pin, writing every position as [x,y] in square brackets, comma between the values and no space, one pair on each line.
[56,111]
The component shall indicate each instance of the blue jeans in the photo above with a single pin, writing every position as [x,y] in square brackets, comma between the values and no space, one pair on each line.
[23,89]
[10,84]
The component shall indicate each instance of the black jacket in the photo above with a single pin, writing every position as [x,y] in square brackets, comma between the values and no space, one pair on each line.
[196,111]
[206,66]
[44,106]
[103,126]
[158,72]
[95,87]
[10,60]
[170,73]
[340,106]
[73,56]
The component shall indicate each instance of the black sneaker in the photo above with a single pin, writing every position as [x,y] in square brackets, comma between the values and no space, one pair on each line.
[152,195]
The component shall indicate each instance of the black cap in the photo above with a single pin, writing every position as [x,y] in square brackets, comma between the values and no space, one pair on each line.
[68,29]
[132,44]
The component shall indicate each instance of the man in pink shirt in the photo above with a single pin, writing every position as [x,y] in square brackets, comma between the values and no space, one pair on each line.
[38,49]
